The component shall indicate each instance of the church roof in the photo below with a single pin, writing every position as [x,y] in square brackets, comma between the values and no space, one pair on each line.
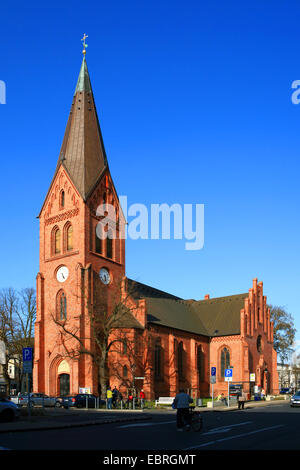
[212,317]
[140,291]
[221,315]
[82,152]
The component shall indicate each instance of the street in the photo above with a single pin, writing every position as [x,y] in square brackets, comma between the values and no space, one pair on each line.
[265,428]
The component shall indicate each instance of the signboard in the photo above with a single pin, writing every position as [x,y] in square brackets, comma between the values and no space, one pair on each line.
[27,360]
[252,377]
[27,367]
[234,389]
[228,375]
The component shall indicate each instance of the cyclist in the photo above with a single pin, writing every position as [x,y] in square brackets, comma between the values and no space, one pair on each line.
[181,403]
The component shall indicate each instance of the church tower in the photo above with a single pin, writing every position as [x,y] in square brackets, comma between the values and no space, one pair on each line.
[72,255]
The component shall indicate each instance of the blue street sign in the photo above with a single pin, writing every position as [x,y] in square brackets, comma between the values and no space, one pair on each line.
[213,371]
[228,372]
[27,354]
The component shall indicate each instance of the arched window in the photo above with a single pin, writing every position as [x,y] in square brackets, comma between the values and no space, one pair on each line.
[98,242]
[56,241]
[125,372]
[69,236]
[225,361]
[200,363]
[180,361]
[109,244]
[259,344]
[62,199]
[157,359]
[61,306]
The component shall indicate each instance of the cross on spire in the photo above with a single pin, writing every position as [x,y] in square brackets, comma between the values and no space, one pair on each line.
[84,43]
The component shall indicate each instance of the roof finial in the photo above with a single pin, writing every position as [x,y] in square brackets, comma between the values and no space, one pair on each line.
[84,44]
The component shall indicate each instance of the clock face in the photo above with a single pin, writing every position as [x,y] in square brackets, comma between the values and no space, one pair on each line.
[62,274]
[104,276]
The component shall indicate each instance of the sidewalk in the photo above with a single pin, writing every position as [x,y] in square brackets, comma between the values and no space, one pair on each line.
[58,418]
[248,404]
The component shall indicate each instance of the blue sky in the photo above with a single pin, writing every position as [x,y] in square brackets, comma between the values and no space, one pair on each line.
[194,101]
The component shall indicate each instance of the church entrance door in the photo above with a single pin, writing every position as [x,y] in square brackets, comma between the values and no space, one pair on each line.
[64,385]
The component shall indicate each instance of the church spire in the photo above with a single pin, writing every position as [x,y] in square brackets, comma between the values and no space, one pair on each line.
[82,152]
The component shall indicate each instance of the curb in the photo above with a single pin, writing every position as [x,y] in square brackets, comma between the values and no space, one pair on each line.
[40,427]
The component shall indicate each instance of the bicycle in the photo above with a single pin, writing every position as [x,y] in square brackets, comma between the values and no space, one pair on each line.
[194,420]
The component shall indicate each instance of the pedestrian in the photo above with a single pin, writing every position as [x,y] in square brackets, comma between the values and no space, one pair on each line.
[109,396]
[120,399]
[129,401]
[115,397]
[241,399]
[262,394]
[222,398]
[142,398]
[182,403]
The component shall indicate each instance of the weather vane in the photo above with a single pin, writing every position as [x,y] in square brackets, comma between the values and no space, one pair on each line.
[84,44]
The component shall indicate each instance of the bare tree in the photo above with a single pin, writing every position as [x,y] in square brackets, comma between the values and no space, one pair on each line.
[284,332]
[133,353]
[17,317]
[104,325]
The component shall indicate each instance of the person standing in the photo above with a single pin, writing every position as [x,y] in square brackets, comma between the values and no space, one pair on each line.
[241,399]
[115,397]
[109,396]
[182,403]
[129,402]
[142,398]
[120,399]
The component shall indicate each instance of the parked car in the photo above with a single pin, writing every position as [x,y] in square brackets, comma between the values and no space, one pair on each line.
[18,399]
[36,399]
[40,399]
[82,400]
[8,410]
[67,401]
[295,399]
[284,391]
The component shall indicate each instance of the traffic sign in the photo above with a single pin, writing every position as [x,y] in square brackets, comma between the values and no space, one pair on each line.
[213,379]
[213,371]
[27,360]
[228,375]
[27,354]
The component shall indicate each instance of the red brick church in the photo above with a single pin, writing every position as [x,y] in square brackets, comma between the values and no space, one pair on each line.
[168,341]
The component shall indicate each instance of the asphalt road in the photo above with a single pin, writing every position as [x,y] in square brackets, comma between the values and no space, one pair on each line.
[266,428]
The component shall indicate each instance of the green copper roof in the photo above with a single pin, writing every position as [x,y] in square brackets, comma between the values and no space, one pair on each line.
[83,83]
